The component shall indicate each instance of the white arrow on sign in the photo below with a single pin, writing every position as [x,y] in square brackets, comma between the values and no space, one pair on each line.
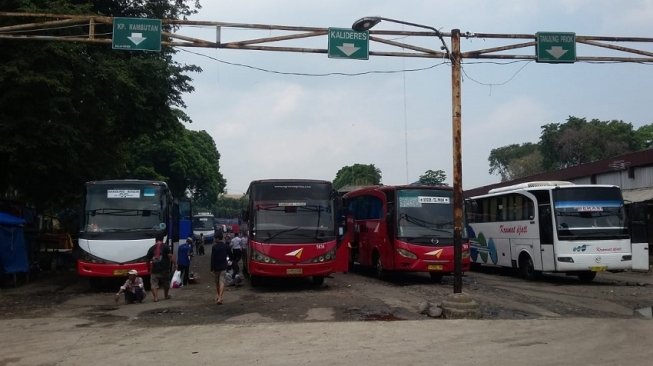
[556,51]
[137,38]
[348,49]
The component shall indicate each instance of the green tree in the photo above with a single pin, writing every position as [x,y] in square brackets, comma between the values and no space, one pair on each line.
[229,207]
[644,136]
[514,160]
[188,163]
[578,141]
[357,175]
[76,112]
[433,177]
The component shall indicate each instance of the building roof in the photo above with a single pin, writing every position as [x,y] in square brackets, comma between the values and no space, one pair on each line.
[640,158]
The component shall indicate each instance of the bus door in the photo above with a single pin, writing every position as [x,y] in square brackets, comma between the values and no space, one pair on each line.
[639,215]
[545,231]
[369,228]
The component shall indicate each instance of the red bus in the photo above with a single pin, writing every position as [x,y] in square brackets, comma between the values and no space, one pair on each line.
[293,230]
[403,228]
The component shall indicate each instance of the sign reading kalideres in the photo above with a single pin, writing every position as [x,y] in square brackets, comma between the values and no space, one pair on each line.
[347,43]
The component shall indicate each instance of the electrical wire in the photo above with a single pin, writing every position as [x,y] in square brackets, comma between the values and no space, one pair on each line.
[314,74]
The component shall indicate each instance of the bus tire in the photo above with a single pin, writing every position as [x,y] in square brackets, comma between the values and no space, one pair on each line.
[526,268]
[147,283]
[255,281]
[586,276]
[436,277]
[381,273]
[318,280]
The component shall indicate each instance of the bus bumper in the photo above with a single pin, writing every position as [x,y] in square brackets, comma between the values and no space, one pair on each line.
[407,265]
[87,269]
[286,270]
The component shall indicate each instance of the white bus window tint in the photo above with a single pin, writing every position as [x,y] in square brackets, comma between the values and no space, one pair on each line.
[107,210]
[589,212]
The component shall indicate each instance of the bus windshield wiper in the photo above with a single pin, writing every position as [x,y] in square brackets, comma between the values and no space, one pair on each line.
[270,237]
[423,223]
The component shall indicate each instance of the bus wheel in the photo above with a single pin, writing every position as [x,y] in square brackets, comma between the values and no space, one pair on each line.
[436,277]
[318,280]
[586,276]
[147,283]
[526,268]
[381,273]
[254,281]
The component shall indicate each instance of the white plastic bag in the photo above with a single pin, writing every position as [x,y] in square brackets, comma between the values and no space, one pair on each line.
[175,282]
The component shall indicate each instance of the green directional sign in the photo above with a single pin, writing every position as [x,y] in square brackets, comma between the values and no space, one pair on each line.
[555,47]
[347,43]
[136,34]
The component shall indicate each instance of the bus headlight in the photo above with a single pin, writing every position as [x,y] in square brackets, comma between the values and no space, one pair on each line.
[260,257]
[406,254]
[328,256]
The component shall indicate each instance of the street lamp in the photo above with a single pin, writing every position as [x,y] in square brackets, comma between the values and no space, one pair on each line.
[365,24]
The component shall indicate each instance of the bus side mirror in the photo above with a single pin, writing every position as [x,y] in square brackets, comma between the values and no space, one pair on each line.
[245,215]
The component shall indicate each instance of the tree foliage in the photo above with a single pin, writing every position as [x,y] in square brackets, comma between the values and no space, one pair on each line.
[71,113]
[357,175]
[229,207]
[563,145]
[509,161]
[431,177]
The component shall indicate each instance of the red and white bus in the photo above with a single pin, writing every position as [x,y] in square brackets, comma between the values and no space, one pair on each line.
[121,220]
[407,228]
[293,231]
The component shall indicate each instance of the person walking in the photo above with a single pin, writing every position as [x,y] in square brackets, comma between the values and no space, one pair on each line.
[133,288]
[160,257]
[244,240]
[236,255]
[219,253]
[200,244]
[183,260]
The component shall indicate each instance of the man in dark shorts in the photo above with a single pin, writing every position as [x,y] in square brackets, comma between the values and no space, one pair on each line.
[219,252]
[160,257]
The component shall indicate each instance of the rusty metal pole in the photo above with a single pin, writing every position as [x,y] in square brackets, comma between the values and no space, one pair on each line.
[457,162]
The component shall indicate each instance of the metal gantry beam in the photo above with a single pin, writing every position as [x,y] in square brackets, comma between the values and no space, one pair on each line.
[97,30]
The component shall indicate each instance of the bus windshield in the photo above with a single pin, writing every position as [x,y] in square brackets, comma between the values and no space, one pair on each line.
[203,223]
[294,221]
[125,207]
[424,214]
[589,212]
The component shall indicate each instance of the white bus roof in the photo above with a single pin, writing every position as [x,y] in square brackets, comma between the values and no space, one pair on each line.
[548,183]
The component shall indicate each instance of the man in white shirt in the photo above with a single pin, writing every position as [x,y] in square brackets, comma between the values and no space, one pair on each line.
[236,253]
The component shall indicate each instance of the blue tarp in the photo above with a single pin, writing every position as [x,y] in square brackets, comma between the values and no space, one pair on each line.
[13,253]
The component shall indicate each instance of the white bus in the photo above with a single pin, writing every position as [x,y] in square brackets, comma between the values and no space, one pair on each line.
[550,227]
[204,224]
[120,223]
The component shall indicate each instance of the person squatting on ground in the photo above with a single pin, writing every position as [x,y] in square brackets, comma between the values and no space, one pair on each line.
[219,252]
[133,288]
[236,255]
[184,252]
[160,257]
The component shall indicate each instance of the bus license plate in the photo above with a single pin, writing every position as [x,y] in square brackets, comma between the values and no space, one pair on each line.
[119,272]
[599,268]
[294,271]
[435,267]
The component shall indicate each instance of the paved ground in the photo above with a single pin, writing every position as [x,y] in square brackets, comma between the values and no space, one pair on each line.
[60,321]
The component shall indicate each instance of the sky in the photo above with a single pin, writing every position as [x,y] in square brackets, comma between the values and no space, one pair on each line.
[270,125]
